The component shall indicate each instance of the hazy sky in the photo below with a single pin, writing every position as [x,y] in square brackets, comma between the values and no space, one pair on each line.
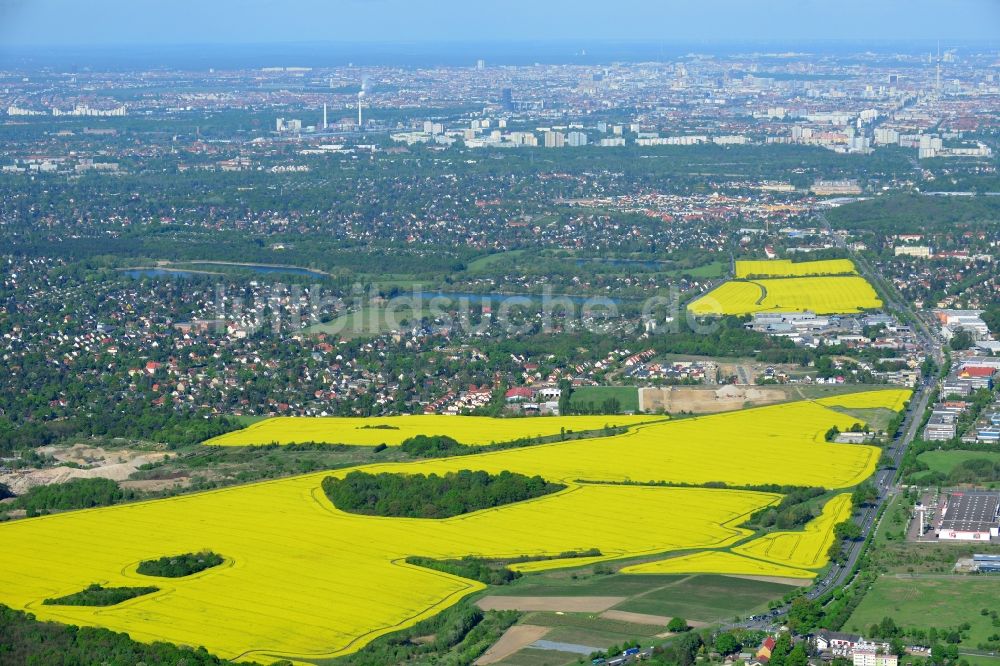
[113,22]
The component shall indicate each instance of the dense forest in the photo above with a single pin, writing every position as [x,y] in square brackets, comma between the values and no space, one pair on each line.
[916,213]
[75,494]
[133,420]
[26,640]
[432,496]
[992,318]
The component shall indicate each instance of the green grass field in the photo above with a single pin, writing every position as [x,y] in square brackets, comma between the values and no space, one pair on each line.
[877,419]
[707,598]
[627,397]
[894,522]
[368,321]
[714,269]
[979,660]
[561,584]
[934,601]
[945,461]
[580,627]
[480,264]
[248,420]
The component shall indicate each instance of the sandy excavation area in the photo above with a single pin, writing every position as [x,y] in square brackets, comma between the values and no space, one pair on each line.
[706,400]
[94,463]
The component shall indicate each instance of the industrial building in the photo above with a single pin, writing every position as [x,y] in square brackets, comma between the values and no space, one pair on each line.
[970,516]
[986,563]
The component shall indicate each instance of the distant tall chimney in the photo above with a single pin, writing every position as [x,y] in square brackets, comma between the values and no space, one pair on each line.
[324,116]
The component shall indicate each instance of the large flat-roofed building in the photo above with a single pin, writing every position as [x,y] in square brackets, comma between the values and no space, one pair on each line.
[922,251]
[841,187]
[940,429]
[970,516]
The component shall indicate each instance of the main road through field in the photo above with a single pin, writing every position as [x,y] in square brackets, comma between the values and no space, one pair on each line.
[885,478]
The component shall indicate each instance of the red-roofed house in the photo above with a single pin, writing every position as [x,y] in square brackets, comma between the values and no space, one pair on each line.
[519,393]
[764,651]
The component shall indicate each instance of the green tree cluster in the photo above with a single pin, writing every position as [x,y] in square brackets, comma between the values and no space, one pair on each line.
[75,494]
[794,510]
[430,446]
[98,595]
[178,566]
[432,496]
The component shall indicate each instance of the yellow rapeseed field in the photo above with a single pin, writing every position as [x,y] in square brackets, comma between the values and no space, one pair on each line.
[304,580]
[733,297]
[807,548]
[822,295]
[783,444]
[393,430]
[893,399]
[788,268]
[789,554]
[717,562]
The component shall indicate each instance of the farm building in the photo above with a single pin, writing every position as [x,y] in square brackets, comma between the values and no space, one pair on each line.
[970,516]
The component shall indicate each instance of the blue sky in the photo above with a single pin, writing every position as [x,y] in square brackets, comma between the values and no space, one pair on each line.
[114,22]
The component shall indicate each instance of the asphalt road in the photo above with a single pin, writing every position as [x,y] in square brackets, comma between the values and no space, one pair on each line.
[884,479]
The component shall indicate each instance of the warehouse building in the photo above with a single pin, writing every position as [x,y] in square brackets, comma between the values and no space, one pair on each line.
[970,516]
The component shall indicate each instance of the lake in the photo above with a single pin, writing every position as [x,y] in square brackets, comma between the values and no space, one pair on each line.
[490,297]
[263,268]
[138,273]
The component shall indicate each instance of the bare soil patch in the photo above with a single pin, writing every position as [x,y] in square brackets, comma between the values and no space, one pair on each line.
[706,400]
[517,637]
